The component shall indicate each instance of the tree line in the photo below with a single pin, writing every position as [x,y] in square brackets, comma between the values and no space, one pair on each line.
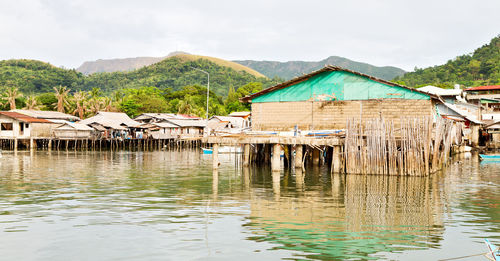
[190,99]
[172,86]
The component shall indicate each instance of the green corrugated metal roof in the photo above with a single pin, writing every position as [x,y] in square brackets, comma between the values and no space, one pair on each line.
[339,85]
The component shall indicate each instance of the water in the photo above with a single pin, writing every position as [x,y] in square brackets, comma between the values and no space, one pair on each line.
[171,206]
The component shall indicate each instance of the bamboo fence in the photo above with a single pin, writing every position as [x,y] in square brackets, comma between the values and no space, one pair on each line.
[415,147]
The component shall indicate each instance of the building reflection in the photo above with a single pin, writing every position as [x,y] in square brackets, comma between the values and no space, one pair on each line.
[359,215]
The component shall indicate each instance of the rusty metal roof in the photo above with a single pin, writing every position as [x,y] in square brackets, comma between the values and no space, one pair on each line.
[22,117]
[484,88]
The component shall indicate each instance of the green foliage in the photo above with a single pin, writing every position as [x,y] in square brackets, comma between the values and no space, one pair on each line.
[144,99]
[232,102]
[47,100]
[172,86]
[173,73]
[36,77]
[479,68]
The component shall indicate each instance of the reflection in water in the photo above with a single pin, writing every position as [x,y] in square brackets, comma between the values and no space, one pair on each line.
[362,215]
[157,205]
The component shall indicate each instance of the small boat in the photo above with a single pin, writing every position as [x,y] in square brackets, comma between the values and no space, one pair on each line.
[493,253]
[490,157]
[207,151]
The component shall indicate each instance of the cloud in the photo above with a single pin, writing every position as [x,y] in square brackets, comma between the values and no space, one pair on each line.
[386,32]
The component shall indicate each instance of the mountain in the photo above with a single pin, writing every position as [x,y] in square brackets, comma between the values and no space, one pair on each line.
[115,65]
[130,64]
[289,70]
[482,67]
[172,73]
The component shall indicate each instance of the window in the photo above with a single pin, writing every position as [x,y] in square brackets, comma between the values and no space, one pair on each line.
[6,126]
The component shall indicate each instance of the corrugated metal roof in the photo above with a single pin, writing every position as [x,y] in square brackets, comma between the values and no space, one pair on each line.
[76,126]
[237,122]
[440,91]
[328,68]
[188,123]
[165,125]
[23,117]
[48,115]
[113,120]
[239,114]
[471,116]
[484,88]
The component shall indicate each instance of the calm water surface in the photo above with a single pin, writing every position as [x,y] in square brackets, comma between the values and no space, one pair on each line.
[172,206]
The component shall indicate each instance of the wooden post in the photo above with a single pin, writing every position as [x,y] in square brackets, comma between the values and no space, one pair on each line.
[246,177]
[315,155]
[246,155]
[49,146]
[275,161]
[215,183]
[336,159]
[15,144]
[475,135]
[215,156]
[31,144]
[276,181]
[298,156]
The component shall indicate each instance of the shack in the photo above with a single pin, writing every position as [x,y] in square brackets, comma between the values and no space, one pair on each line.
[163,130]
[493,131]
[70,130]
[227,124]
[327,98]
[14,125]
[115,125]
[188,128]
[489,96]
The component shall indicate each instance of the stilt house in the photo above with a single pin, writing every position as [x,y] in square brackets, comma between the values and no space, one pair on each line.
[15,125]
[326,98]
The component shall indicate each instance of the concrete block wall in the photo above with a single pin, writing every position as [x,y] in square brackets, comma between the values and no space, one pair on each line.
[283,116]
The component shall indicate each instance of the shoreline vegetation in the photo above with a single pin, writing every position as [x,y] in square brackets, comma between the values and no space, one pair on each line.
[170,86]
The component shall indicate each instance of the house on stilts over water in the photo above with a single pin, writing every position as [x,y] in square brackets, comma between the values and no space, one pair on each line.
[351,121]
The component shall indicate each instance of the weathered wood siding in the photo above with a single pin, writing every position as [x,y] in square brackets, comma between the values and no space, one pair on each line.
[43,130]
[283,116]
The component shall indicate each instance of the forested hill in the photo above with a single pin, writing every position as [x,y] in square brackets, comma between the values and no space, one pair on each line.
[36,76]
[289,70]
[482,67]
[129,64]
[174,73]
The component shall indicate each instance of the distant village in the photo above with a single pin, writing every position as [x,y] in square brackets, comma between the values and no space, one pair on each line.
[324,100]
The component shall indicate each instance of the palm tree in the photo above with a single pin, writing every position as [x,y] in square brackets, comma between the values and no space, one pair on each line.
[32,103]
[62,97]
[95,105]
[79,98]
[184,107]
[107,104]
[12,94]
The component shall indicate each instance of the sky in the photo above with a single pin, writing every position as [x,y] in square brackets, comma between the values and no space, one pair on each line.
[398,33]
